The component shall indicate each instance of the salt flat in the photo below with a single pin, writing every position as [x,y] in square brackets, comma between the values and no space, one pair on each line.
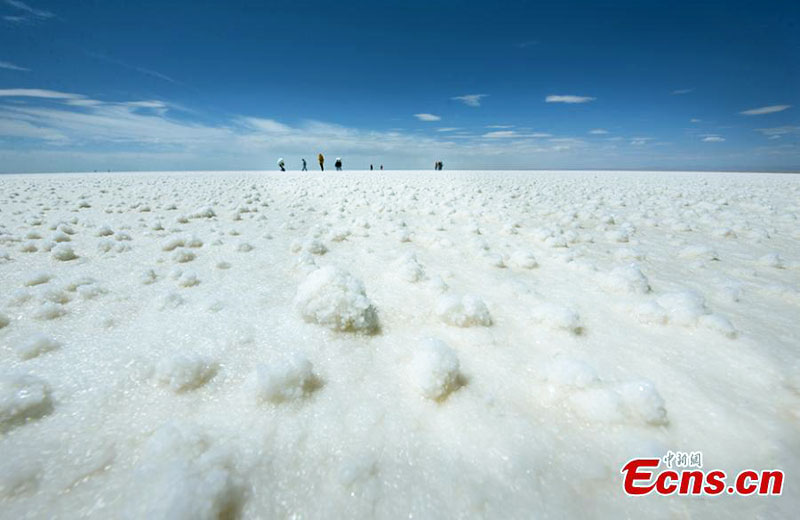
[393,344]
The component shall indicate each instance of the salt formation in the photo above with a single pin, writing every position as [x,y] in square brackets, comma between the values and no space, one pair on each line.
[335,299]
[22,398]
[182,475]
[435,369]
[36,345]
[463,311]
[285,380]
[184,372]
[202,358]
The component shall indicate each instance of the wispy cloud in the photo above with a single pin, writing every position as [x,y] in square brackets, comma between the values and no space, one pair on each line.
[598,131]
[135,68]
[682,91]
[38,93]
[73,132]
[568,99]
[695,120]
[10,66]
[471,100]
[713,139]
[26,13]
[427,117]
[500,134]
[499,126]
[448,129]
[778,131]
[765,110]
[641,141]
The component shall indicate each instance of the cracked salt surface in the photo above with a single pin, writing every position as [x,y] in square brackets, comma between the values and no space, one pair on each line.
[474,344]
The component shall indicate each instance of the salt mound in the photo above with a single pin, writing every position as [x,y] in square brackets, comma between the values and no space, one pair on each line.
[409,269]
[332,297]
[203,213]
[556,316]
[22,398]
[185,372]
[683,307]
[35,346]
[465,311]
[633,402]
[523,259]
[183,255]
[641,401]
[49,311]
[719,324]
[37,278]
[627,279]
[63,252]
[284,380]
[435,369]
[181,475]
[699,251]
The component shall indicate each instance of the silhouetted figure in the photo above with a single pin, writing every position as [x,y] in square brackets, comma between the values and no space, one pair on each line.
[381,167]
[281,164]
[321,159]
[370,167]
[338,164]
[303,169]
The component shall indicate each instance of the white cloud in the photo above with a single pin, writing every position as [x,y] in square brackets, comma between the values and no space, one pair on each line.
[568,99]
[695,120]
[448,129]
[471,100]
[713,139]
[140,70]
[779,130]
[71,132]
[28,13]
[682,91]
[10,66]
[598,131]
[640,141]
[37,93]
[427,117]
[500,134]
[146,104]
[765,110]
[499,126]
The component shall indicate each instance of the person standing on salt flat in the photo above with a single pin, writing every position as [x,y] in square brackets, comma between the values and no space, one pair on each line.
[303,169]
[321,159]
[281,164]
[338,164]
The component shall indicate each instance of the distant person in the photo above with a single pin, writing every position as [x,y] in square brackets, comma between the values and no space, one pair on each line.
[338,164]
[303,169]
[370,167]
[381,167]
[281,164]
[321,159]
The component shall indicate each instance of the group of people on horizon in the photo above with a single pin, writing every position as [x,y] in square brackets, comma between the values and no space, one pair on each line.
[321,159]
[438,165]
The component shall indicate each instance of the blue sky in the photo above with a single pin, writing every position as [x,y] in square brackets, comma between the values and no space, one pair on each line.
[97,85]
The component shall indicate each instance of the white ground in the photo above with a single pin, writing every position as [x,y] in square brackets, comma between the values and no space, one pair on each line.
[492,344]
